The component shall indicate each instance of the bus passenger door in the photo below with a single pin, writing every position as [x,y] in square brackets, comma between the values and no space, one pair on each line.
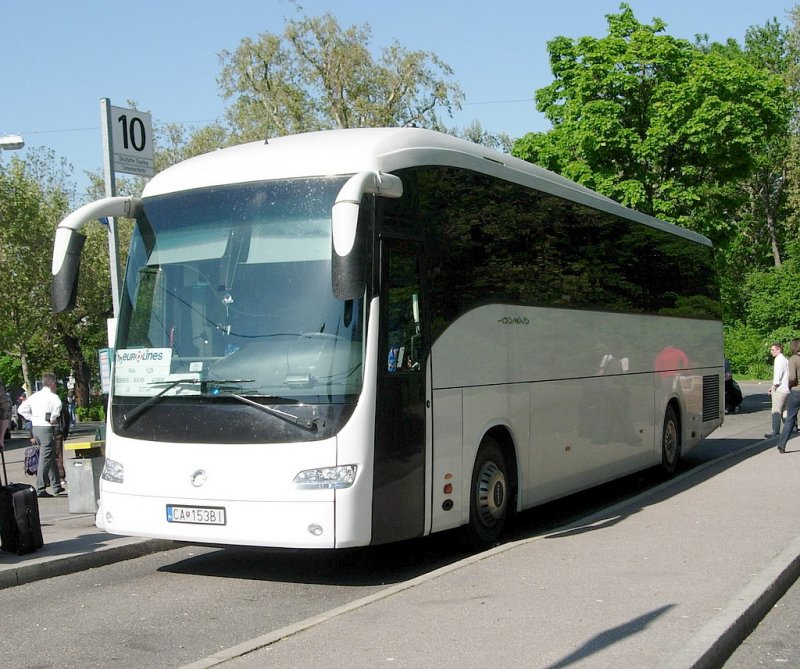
[398,503]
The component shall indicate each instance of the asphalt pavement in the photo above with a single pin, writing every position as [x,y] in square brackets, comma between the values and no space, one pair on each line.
[774,642]
[674,577]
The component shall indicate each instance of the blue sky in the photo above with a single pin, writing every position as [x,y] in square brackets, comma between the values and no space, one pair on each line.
[60,57]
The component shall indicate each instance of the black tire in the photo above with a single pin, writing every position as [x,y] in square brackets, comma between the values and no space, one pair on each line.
[491,498]
[670,442]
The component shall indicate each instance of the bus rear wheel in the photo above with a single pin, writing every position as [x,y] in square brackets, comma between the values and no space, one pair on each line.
[670,442]
[490,494]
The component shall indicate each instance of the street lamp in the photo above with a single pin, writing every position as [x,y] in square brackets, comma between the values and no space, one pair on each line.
[11,142]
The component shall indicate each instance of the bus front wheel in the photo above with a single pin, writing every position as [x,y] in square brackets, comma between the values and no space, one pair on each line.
[490,494]
[670,442]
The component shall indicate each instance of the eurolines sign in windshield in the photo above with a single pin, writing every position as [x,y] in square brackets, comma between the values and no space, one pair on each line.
[143,371]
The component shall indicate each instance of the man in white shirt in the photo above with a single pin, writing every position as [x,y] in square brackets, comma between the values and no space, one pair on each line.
[43,409]
[779,390]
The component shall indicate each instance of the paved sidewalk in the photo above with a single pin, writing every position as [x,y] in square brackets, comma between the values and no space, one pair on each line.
[72,542]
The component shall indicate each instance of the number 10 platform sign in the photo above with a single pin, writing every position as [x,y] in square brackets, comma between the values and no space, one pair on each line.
[131,141]
[127,147]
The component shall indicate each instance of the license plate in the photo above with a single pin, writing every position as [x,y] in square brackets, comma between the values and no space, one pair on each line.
[196,515]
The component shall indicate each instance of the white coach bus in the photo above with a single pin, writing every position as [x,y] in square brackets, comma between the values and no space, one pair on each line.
[352,337]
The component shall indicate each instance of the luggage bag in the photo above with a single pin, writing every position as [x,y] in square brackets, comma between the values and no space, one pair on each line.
[20,527]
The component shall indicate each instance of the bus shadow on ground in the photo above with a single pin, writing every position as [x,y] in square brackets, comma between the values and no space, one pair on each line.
[366,566]
[651,488]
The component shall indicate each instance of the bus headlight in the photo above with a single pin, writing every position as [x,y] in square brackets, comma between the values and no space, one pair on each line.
[331,478]
[113,471]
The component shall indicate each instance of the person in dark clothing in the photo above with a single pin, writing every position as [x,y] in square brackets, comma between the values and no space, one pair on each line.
[60,433]
[793,404]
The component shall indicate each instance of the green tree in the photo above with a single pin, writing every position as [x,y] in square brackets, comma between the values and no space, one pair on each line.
[318,75]
[34,194]
[174,143]
[761,268]
[10,371]
[770,312]
[761,220]
[474,132]
[656,122]
[791,75]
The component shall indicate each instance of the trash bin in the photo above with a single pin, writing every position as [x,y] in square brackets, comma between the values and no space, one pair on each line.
[83,475]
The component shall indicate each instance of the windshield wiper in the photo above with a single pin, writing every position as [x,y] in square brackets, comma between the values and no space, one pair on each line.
[217,384]
[129,416]
[310,425]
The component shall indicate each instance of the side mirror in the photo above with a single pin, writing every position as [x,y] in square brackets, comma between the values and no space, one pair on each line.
[64,289]
[347,256]
[69,245]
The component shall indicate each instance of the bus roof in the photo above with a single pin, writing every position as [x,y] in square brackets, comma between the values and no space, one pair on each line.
[347,151]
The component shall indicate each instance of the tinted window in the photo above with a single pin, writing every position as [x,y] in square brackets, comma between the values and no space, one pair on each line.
[491,240]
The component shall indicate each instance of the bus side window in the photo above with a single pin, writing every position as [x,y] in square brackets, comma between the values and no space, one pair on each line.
[405,343]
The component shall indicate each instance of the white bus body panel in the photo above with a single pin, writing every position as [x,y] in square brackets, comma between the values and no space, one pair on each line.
[577,426]
[253,482]
[355,442]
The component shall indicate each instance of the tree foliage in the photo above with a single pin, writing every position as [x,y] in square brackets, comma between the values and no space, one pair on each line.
[318,75]
[33,194]
[762,226]
[175,143]
[655,122]
[771,303]
[475,132]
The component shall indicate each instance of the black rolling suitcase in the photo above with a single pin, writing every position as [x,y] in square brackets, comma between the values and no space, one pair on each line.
[20,528]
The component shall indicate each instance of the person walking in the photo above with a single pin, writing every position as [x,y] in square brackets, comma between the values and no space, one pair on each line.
[71,407]
[794,396]
[779,390]
[43,410]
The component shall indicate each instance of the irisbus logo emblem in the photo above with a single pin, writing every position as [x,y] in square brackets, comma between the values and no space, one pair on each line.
[198,478]
[513,320]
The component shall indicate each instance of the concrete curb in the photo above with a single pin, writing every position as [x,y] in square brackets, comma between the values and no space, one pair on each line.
[718,639]
[69,564]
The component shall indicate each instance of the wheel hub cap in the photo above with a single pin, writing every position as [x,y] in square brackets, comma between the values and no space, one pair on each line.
[491,494]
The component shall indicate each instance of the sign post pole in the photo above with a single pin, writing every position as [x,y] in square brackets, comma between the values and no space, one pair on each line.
[111,191]
[127,147]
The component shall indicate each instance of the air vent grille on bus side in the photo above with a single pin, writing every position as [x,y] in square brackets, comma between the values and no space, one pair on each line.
[710,398]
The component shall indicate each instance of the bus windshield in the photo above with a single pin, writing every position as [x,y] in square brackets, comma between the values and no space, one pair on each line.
[228,292]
